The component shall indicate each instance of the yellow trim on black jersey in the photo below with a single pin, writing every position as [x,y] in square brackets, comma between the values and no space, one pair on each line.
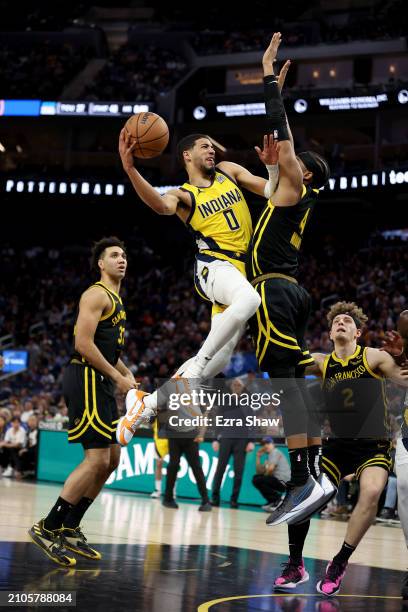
[345,362]
[110,290]
[325,364]
[254,253]
[367,367]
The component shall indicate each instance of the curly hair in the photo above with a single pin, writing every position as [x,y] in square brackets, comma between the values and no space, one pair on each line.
[349,308]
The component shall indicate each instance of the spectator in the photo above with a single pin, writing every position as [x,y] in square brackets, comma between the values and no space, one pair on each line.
[271,475]
[233,441]
[14,440]
[28,454]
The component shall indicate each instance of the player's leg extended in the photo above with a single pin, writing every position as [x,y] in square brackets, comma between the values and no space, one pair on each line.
[225,285]
[213,365]
[372,483]
[401,470]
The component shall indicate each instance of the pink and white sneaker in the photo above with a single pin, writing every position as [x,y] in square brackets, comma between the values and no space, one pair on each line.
[331,583]
[292,575]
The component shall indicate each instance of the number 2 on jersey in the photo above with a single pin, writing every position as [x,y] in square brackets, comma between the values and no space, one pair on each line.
[231,219]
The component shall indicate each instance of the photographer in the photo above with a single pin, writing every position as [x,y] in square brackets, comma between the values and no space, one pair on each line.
[272,474]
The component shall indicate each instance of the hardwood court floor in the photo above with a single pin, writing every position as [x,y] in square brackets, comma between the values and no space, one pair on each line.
[155,559]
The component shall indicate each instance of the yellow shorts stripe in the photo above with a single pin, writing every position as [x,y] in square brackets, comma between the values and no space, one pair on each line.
[328,469]
[333,465]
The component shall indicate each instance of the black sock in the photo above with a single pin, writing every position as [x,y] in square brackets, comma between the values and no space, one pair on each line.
[297,536]
[299,466]
[314,456]
[57,514]
[345,553]
[74,517]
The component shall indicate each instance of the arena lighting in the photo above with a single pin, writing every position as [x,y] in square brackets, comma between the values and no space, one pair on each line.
[52,187]
[37,108]
[403,96]
[385,178]
[300,106]
[353,102]
[199,113]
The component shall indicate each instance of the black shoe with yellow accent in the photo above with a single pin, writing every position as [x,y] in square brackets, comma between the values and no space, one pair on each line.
[75,540]
[51,543]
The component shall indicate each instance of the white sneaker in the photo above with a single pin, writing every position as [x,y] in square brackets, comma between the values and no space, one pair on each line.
[136,414]
[155,494]
[8,472]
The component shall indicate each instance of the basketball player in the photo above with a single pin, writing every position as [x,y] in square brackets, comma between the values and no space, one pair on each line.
[353,388]
[88,385]
[279,325]
[397,346]
[212,205]
[161,449]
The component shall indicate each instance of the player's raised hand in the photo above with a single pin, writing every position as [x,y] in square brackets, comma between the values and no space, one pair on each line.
[282,74]
[125,151]
[271,52]
[269,154]
[393,343]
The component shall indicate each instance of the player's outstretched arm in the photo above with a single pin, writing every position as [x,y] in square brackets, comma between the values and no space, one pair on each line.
[269,156]
[166,205]
[291,175]
[382,362]
[316,368]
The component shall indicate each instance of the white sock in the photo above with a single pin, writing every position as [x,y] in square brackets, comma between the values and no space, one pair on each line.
[158,485]
[150,401]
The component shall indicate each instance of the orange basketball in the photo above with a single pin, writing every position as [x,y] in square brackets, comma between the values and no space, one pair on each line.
[150,133]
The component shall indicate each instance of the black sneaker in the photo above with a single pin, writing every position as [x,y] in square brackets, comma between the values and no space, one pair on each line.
[234,504]
[404,590]
[205,506]
[386,514]
[74,539]
[169,503]
[297,502]
[329,492]
[215,500]
[51,543]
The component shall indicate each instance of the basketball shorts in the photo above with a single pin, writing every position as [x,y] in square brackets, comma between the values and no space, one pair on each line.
[204,276]
[279,325]
[161,445]
[92,408]
[342,457]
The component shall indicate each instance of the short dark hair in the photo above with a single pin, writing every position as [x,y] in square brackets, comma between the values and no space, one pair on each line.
[316,164]
[187,143]
[15,418]
[99,247]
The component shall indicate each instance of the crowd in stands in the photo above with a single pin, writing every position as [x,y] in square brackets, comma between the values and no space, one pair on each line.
[311,28]
[168,328]
[40,70]
[137,74]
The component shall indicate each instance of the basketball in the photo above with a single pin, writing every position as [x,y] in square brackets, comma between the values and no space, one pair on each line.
[150,133]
